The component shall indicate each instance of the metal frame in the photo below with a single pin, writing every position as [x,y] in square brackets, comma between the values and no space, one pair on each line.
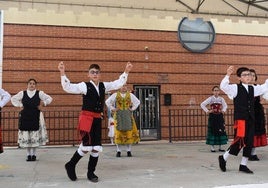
[244,13]
[184,42]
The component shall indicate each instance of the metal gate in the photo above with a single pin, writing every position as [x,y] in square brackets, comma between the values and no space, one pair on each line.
[147,115]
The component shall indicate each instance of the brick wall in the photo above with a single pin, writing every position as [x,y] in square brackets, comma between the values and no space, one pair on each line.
[34,51]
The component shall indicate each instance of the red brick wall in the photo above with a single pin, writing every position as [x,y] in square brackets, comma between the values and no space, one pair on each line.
[35,51]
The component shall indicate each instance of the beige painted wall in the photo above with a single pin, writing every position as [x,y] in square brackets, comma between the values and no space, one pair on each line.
[138,14]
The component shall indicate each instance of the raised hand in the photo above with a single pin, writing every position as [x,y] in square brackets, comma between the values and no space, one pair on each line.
[128,67]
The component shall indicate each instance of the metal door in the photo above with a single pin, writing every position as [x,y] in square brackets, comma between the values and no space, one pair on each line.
[147,115]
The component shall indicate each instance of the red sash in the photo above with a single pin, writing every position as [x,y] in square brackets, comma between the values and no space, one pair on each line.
[216,108]
[86,120]
[240,126]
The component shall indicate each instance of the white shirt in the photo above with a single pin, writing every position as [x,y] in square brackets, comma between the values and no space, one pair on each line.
[110,102]
[16,99]
[231,89]
[4,97]
[211,100]
[81,88]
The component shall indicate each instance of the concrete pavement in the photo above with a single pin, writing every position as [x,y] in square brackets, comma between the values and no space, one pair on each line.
[154,164]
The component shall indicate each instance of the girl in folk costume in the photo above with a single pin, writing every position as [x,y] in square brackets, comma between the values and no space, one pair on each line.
[32,129]
[244,116]
[4,99]
[122,103]
[110,125]
[260,138]
[111,129]
[216,134]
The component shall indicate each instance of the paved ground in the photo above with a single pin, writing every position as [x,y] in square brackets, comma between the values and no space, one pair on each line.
[154,164]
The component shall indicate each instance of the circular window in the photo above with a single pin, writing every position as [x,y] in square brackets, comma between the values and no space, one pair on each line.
[196,35]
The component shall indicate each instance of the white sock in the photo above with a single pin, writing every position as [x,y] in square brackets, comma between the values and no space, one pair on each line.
[244,161]
[212,147]
[94,154]
[33,151]
[118,148]
[80,152]
[226,155]
[253,151]
[128,147]
[28,150]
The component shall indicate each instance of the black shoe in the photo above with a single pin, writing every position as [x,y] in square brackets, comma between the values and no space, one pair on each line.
[118,154]
[92,177]
[129,154]
[33,158]
[253,158]
[221,150]
[243,168]
[29,158]
[213,151]
[70,169]
[222,163]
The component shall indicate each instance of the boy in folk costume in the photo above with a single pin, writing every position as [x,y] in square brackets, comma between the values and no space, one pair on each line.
[122,103]
[4,99]
[244,117]
[93,93]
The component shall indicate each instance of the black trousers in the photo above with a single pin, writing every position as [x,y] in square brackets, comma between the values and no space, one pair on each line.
[93,138]
[245,143]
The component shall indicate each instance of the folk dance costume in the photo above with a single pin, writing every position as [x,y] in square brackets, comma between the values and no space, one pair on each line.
[111,129]
[4,99]
[126,132]
[32,129]
[260,138]
[89,121]
[216,134]
[244,120]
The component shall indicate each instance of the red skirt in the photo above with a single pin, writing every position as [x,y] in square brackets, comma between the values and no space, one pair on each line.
[260,140]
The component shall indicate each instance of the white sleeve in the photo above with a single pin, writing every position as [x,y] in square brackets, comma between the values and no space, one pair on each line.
[80,88]
[5,97]
[261,89]
[224,105]
[117,84]
[110,102]
[204,104]
[45,98]
[227,88]
[135,102]
[16,99]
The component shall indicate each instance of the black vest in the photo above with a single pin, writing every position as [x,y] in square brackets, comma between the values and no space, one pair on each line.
[93,101]
[30,114]
[244,103]
[30,103]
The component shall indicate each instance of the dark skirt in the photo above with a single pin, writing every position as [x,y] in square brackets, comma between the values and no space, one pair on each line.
[260,138]
[216,134]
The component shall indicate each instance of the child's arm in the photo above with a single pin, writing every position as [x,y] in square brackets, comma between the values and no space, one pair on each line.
[226,87]
[261,89]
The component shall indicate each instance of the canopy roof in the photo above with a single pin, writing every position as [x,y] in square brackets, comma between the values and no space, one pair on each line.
[242,8]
